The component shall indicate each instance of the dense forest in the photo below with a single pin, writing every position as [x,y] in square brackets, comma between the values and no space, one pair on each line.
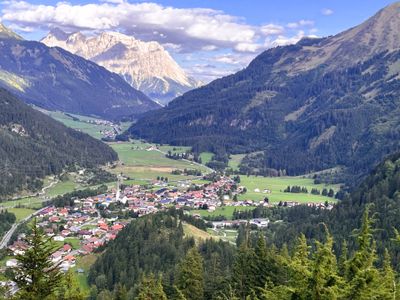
[151,259]
[156,244]
[313,120]
[32,145]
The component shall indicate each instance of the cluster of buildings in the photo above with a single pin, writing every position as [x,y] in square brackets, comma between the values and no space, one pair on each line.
[79,231]
[111,132]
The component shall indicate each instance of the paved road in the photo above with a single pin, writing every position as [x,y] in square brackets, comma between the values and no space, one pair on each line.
[6,238]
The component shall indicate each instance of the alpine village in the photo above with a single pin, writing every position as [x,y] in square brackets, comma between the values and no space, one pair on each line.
[199,150]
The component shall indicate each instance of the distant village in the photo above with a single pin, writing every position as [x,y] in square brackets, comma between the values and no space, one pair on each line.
[94,221]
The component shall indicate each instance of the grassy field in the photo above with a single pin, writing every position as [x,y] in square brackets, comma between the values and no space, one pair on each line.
[60,188]
[80,123]
[226,211]
[228,235]
[21,213]
[206,157]
[143,165]
[235,160]
[198,234]
[277,184]
[84,262]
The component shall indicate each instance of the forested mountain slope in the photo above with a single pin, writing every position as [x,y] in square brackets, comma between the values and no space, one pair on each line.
[55,79]
[310,106]
[33,145]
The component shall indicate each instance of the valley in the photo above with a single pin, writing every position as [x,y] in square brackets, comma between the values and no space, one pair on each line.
[125,176]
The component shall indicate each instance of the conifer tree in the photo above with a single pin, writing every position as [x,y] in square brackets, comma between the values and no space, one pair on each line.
[190,279]
[36,275]
[325,283]
[300,267]
[151,289]
[388,281]
[362,276]
[243,271]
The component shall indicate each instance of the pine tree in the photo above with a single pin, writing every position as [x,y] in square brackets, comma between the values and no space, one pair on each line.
[36,275]
[325,283]
[300,268]
[343,259]
[261,263]
[361,274]
[388,282]
[120,292]
[190,279]
[243,271]
[151,289]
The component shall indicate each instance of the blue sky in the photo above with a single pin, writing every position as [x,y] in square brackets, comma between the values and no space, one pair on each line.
[209,38]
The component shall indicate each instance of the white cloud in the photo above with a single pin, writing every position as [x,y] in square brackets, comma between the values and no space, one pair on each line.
[327,11]
[272,29]
[194,35]
[284,40]
[232,59]
[192,28]
[208,72]
[301,23]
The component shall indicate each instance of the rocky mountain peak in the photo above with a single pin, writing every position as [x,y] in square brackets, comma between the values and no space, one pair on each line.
[146,66]
[6,33]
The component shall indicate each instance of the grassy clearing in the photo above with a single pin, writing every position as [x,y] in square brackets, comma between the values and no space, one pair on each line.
[228,235]
[74,242]
[206,157]
[174,149]
[84,262]
[61,188]
[226,211]
[35,202]
[21,213]
[277,184]
[198,234]
[235,161]
[143,165]
[80,123]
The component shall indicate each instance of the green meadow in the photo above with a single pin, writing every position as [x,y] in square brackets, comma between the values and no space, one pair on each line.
[141,164]
[80,123]
[277,184]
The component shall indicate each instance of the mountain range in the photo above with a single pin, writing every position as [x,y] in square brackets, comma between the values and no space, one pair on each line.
[146,66]
[55,79]
[318,104]
[33,145]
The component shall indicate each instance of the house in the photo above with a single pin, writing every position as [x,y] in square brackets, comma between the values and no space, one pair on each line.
[59,238]
[11,263]
[56,256]
[117,227]
[67,248]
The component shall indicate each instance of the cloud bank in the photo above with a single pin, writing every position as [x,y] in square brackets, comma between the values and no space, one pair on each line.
[188,29]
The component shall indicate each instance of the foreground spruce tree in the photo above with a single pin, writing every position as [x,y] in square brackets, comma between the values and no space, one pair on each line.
[36,275]
[190,276]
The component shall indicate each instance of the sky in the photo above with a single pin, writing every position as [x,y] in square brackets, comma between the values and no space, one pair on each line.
[208,38]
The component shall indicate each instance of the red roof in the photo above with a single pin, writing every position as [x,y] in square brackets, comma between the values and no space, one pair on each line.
[117,227]
[67,247]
